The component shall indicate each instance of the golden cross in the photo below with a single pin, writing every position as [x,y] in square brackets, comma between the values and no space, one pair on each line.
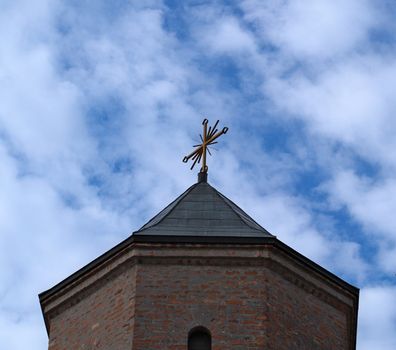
[208,139]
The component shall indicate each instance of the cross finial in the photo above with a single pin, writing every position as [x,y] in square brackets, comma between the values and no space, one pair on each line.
[208,138]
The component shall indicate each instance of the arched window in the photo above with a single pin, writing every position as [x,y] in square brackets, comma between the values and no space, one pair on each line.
[199,338]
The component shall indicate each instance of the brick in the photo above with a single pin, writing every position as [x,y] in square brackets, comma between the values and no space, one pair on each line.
[246,303]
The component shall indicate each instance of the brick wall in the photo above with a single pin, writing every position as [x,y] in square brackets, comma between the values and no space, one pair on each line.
[171,300]
[300,320]
[102,318]
[243,308]
[249,298]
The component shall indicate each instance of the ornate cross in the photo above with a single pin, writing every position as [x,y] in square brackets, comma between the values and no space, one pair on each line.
[208,139]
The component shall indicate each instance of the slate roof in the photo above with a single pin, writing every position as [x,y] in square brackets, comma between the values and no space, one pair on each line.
[203,211]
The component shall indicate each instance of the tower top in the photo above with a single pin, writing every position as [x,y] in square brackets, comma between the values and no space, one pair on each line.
[202,211]
[208,138]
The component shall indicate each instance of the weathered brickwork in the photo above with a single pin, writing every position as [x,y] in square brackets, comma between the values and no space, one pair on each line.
[249,298]
[171,300]
[300,320]
[103,319]
[243,307]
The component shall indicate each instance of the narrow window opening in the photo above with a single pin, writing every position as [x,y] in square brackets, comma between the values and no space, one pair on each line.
[199,338]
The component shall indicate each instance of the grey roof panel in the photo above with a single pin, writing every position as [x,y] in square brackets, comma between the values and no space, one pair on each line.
[203,211]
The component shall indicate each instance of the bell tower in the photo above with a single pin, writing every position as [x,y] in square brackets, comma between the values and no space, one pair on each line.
[201,275]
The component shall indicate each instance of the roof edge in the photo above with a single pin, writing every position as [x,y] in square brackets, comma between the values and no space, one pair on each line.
[88,267]
[136,238]
[169,207]
[229,202]
[218,240]
[246,241]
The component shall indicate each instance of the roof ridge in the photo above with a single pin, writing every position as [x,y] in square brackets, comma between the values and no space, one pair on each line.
[170,207]
[228,202]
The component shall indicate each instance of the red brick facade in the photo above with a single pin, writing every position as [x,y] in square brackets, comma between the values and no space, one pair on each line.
[250,297]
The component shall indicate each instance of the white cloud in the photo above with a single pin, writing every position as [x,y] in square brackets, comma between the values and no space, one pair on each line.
[344,97]
[377,318]
[373,205]
[349,103]
[312,28]
[42,241]
[225,35]
[22,333]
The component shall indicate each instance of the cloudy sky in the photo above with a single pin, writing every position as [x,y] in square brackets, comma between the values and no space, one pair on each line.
[100,101]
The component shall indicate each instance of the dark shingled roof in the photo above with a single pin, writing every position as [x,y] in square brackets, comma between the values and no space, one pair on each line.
[203,211]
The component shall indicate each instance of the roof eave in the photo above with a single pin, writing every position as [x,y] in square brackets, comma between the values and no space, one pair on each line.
[172,239]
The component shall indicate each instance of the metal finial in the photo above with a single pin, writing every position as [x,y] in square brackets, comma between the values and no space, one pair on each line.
[208,138]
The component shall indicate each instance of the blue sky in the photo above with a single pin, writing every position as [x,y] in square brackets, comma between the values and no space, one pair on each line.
[100,101]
